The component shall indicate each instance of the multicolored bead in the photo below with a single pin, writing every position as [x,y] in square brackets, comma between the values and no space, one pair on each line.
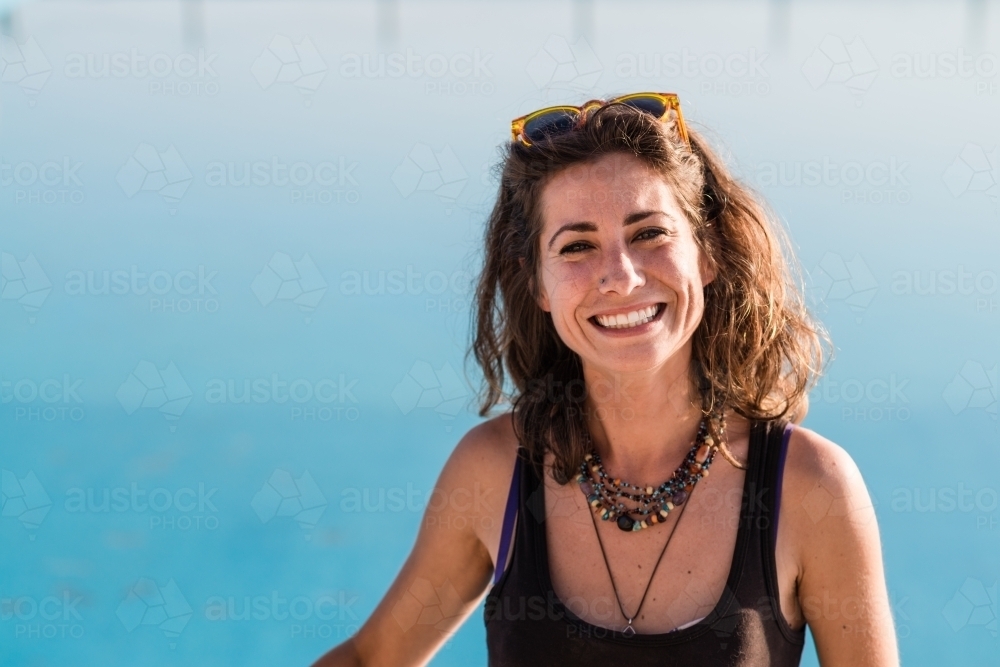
[653,504]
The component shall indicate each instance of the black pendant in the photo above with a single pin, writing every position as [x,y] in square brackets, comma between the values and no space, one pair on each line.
[625,522]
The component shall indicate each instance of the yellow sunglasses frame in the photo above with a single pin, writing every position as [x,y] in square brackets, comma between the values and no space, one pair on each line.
[671,102]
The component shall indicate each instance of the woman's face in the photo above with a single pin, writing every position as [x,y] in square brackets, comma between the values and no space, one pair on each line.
[620,271]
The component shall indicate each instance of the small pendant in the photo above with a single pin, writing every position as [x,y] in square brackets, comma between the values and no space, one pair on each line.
[625,522]
[629,630]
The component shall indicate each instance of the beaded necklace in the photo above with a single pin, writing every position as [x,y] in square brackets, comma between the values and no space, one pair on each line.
[653,506]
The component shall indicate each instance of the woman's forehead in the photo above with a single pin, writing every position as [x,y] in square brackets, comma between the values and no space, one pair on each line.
[608,169]
[585,193]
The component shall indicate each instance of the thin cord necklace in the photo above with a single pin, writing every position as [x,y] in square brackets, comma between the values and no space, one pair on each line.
[653,505]
[628,630]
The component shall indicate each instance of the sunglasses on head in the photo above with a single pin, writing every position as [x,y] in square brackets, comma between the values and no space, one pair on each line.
[552,121]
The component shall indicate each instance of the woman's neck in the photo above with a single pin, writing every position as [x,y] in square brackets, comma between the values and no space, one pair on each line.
[644,424]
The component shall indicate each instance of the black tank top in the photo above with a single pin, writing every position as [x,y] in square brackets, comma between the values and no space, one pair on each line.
[526,623]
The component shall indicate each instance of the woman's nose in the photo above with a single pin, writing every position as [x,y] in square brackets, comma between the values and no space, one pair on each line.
[619,274]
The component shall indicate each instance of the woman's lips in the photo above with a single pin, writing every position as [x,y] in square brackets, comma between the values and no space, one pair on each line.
[629,321]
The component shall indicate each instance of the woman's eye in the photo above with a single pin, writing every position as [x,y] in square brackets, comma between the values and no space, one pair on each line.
[650,233]
[578,246]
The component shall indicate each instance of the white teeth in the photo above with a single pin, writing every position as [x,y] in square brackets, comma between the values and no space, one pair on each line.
[627,320]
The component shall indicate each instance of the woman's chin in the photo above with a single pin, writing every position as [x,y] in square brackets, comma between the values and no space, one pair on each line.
[634,359]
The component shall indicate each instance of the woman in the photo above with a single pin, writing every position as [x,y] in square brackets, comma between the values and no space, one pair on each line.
[637,311]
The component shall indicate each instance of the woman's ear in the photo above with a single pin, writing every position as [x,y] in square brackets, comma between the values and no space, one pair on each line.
[708,268]
[543,298]
[798,413]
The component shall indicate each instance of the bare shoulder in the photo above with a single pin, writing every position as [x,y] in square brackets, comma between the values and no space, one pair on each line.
[487,450]
[840,582]
[823,491]
[478,474]
[814,461]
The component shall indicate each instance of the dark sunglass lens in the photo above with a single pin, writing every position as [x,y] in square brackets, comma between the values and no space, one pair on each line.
[651,105]
[552,123]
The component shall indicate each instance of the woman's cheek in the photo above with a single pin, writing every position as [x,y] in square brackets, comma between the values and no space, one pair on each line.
[560,285]
[572,278]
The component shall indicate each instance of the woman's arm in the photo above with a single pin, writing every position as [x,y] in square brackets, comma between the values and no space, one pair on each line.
[842,589]
[449,568]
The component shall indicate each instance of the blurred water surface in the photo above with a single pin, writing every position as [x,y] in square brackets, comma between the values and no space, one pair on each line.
[237,241]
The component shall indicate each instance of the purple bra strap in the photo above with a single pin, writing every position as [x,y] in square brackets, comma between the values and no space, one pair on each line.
[777,486]
[508,520]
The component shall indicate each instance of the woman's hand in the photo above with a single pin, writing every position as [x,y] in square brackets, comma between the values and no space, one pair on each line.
[449,568]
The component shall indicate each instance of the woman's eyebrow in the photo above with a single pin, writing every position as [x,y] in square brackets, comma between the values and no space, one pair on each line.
[573,227]
[630,219]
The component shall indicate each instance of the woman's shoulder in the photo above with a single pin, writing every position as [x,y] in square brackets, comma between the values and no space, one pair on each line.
[831,528]
[491,442]
[479,469]
[822,486]
[815,460]
[489,448]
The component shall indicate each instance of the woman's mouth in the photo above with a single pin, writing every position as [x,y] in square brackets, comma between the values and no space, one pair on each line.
[629,320]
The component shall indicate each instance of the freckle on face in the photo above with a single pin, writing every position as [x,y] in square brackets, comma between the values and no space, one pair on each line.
[652,260]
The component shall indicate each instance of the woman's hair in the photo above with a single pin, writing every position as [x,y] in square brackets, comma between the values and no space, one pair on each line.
[756,351]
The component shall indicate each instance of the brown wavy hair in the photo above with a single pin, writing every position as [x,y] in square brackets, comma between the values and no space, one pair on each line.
[756,351]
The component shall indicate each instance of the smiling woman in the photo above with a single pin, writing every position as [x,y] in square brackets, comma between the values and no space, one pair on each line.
[638,310]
